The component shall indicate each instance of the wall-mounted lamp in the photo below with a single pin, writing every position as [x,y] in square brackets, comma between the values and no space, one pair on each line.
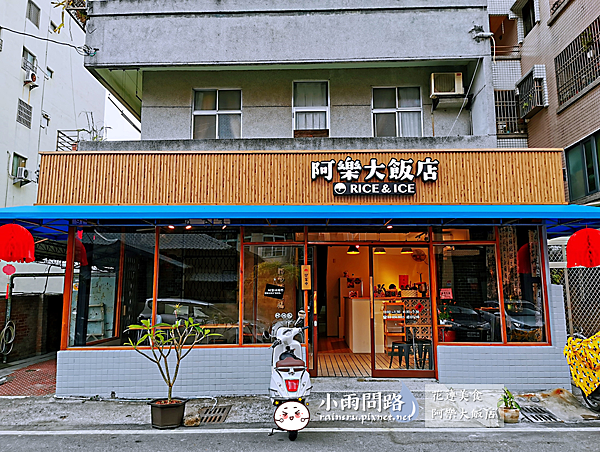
[379,250]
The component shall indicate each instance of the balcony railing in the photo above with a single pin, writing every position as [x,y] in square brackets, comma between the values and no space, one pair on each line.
[67,140]
[508,121]
[507,51]
[578,65]
[531,96]
[77,9]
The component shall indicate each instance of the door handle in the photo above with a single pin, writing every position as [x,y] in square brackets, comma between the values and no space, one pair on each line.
[371,299]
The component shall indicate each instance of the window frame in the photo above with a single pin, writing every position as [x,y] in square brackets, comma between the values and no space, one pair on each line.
[529,6]
[26,63]
[16,157]
[31,4]
[397,111]
[216,112]
[580,147]
[326,109]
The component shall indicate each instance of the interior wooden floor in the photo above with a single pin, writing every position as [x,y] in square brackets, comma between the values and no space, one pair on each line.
[337,360]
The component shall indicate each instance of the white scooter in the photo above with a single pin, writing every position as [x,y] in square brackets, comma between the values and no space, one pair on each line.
[290,381]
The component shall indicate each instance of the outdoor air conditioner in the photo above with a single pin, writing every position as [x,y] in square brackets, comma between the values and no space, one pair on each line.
[30,77]
[25,175]
[446,84]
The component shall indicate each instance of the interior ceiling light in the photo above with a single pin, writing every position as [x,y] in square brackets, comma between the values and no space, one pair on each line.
[406,250]
[188,226]
[171,226]
[353,249]
[389,226]
[379,250]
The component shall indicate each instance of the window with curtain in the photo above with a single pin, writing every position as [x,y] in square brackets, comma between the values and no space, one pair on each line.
[311,106]
[397,112]
[217,114]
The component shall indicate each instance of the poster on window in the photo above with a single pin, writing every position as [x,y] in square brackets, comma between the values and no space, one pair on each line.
[273,291]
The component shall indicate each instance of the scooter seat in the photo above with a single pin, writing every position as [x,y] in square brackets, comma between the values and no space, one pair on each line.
[290,362]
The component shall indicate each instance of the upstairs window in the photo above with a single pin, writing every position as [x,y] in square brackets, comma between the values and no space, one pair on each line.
[310,109]
[217,114]
[397,112]
[33,13]
[582,167]
[28,63]
[18,162]
[528,16]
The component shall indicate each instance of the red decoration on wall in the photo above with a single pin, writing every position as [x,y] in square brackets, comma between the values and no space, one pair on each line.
[9,269]
[16,244]
[583,249]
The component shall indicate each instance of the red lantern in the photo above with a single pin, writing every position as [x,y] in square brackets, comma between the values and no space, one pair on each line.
[524,259]
[16,244]
[583,249]
[80,253]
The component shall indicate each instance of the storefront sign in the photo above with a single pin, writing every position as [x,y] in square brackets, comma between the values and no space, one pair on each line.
[446,294]
[306,278]
[401,175]
[273,291]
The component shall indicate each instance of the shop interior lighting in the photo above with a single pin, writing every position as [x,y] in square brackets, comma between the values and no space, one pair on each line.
[406,250]
[389,226]
[188,225]
[171,226]
[353,249]
[379,250]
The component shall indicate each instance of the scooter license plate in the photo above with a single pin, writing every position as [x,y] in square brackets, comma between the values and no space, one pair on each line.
[291,416]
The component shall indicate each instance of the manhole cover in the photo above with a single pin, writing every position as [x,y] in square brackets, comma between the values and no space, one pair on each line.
[214,415]
[538,414]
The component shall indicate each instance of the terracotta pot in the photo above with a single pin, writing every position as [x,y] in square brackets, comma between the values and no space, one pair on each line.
[509,415]
[167,415]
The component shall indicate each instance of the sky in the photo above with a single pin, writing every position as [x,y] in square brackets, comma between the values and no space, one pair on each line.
[117,126]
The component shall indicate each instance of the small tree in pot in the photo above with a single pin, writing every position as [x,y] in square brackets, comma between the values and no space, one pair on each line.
[164,339]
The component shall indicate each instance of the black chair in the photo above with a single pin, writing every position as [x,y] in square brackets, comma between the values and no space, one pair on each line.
[400,349]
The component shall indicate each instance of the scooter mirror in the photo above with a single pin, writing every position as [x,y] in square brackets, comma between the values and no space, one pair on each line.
[266,335]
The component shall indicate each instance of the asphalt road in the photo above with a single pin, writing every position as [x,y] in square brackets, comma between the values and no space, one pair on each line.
[346,440]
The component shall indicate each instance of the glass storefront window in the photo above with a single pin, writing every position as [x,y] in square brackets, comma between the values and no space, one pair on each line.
[467,293]
[522,281]
[109,262]
[482,233]
[198,277]
[272,291]
[273,234]
[370,235]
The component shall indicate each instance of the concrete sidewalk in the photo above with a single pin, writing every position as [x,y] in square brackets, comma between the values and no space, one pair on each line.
[26,413]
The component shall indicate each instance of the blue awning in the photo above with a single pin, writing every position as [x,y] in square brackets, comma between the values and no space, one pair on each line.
[559,218]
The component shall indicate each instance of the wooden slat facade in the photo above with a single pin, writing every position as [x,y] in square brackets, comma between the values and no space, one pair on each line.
[488,176]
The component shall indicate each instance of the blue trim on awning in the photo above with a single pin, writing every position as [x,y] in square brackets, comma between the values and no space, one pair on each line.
[338,211]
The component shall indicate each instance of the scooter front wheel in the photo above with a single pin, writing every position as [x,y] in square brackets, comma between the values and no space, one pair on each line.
[292,436]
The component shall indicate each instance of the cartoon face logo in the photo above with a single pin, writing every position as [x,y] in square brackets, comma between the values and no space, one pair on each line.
[339,188]
[291,416]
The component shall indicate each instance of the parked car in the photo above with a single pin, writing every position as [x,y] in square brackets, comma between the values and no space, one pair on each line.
[469,325]
[209,315]
[523,319]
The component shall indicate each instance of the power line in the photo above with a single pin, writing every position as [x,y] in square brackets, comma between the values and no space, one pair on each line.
[84,50]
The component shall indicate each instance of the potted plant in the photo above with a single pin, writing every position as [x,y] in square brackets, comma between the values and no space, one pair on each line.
[508,408]
[445,334]
[163,339]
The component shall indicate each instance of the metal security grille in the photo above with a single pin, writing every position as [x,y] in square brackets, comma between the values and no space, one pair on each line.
[578,65]
[24,112]
[507,113]
[531,95]
[581,292]
[538,414]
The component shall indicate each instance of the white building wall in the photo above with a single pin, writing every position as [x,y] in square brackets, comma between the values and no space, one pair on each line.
[65,97]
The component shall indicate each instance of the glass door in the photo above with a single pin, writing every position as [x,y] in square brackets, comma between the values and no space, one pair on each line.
[401,317]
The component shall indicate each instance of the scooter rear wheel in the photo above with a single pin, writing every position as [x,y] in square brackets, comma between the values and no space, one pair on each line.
[292,436]
[593,400]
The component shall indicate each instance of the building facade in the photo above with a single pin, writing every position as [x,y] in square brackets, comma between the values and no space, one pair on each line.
[357,144]
[45,88]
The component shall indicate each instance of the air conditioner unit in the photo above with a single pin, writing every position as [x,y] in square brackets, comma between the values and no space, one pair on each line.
[30,77]
[446,84]
[25,175]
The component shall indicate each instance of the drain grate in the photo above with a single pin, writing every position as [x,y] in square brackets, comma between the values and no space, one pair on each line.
[214,415]
[538,414]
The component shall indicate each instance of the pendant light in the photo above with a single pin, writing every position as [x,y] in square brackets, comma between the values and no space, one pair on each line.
[353,249]
[406,250]
[379,250]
